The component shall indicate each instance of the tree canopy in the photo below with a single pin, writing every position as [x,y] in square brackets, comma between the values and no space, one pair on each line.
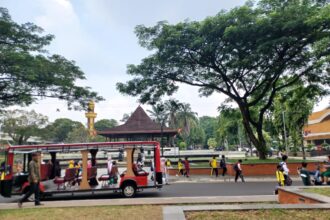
[104,124]
[59,130]
[249,53]
[20,125]
[28,71]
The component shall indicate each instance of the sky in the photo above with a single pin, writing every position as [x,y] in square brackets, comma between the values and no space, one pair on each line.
[99,36]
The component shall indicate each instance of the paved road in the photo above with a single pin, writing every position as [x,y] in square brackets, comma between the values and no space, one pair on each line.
[182,190]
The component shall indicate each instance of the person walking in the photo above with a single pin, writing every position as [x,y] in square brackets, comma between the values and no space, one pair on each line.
[186,167]
[238,170]
[164,169]
[34,180]
[168,166]
[287,181]
[180,168]
[214,166]
[279,176]
[223,165]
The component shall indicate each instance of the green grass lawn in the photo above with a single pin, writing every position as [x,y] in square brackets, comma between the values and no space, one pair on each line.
[82,213]
[276,214]
[321,191]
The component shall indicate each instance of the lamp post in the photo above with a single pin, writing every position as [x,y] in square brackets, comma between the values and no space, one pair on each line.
[285,136]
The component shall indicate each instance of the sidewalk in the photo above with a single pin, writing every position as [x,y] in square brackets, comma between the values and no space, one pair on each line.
[220,179]
[146,201]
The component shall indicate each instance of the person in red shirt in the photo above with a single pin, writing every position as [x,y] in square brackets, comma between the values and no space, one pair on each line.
[186,167]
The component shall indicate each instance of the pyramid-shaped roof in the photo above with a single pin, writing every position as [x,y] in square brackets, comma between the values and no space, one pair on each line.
[138,123]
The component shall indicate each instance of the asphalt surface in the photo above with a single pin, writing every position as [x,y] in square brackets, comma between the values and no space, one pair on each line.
[179,190]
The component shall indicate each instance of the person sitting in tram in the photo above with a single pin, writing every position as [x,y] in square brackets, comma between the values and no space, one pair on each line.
[139,162]
[109,164]
[71,164]
[19,167]
[78,168]
[113,175]
[57,169]
[89,164]
[2,170]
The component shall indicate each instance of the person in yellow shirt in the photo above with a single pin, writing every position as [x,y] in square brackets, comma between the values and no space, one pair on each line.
[180,168]
[168,163]
[214,166]
[71,164]
[78,168]
[280,175]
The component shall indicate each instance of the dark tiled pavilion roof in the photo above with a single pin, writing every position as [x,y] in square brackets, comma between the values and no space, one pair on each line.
[138,123]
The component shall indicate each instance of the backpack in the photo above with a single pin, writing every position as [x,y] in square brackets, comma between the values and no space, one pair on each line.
[222,164]
[235,167]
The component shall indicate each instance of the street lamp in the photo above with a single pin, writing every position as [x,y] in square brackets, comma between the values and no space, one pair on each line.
[285,136]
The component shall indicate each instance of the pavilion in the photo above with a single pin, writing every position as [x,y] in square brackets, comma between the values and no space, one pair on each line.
[139,127]
[317,130]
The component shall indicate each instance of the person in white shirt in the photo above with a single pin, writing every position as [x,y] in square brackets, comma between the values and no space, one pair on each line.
[238,170]
[109,164]
[285,170]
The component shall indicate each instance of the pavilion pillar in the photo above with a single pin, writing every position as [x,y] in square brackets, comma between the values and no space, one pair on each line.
[93,152]
[129,153]
[84,182]
[53,159]
[39,163]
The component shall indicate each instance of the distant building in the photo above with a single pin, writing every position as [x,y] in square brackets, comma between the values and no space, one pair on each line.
[317,130]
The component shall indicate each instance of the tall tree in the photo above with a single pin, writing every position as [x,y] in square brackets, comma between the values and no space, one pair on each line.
[186,120]
[245,53]
[104,124]
[160,114]
[125,117]
[293,108]
[20,125]
[59,130]
[230,126]
[196,136]
[78,134]
[173,106]
[28,71]
[209,125]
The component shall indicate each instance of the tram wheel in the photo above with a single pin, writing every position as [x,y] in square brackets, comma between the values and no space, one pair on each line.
[129,190]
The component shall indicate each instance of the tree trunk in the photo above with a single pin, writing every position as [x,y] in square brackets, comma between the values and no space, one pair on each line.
[20,140]
[262,148]
[258,141]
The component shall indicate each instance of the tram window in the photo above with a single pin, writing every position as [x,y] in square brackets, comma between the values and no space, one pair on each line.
[18,163]
[4,167]
[2,157]
[2,161]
